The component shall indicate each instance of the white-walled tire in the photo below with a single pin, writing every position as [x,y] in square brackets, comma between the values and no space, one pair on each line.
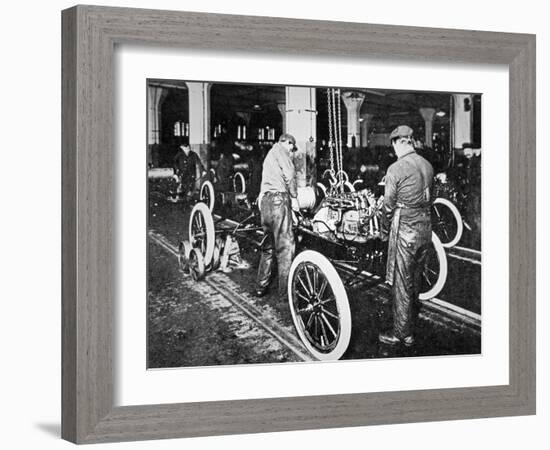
[239,183]
[183,256]
[434,274]
[447,222]
[319,305]
[207,194]
[201,231]
[216,258]
[197,268]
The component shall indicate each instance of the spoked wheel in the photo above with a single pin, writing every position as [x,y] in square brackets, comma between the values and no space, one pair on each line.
[183,255]
[196,264]
[216,255]
[446,222]
[239,183]
[201,231]
[434,274]
[207,194]
[319,305]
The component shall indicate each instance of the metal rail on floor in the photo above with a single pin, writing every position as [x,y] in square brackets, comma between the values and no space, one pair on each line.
[465,254]
[218,283]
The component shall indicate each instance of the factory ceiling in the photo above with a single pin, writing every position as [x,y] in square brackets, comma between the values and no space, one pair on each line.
[388,107]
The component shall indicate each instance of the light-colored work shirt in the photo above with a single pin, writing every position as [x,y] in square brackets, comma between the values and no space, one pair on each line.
[278,173]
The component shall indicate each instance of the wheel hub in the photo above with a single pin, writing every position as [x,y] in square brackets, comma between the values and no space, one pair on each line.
[316,305]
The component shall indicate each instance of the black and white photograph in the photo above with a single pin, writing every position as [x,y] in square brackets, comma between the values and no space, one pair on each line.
[311,223]
[270,225]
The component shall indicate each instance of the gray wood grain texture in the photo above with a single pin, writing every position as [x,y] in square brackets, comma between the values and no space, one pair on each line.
[89,36]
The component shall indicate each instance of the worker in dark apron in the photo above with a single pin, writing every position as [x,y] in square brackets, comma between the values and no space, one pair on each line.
[406,224]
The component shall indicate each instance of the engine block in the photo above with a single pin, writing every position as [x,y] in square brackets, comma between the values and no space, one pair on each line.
[349,216]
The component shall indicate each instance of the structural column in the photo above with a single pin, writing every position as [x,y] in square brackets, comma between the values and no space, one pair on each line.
[428,116]
[463,108]
[154,97]
[199,120]
[364,125]
[282,110]
[353,101]
[301,121]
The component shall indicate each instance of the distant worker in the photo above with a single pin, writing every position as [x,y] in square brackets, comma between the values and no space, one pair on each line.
[224,171]
[278,197]
[188,167]
[406,223]
[255,170]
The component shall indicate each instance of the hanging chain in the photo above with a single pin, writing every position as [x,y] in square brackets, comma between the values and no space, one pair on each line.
[338,163]
[340,156]
[330,146]
[340,153]
[334,99]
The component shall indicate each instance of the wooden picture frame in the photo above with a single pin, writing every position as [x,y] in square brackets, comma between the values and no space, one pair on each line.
[89,37]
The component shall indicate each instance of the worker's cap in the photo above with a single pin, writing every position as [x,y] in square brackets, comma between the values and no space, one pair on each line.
[285,137]
[401,131]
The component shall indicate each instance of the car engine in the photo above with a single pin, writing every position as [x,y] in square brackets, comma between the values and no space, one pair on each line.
[349,216]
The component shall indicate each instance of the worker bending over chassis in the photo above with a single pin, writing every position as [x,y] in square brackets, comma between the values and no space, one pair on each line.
[278,194]
[406,223]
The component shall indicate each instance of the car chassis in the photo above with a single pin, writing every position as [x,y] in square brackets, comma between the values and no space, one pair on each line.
[344,226]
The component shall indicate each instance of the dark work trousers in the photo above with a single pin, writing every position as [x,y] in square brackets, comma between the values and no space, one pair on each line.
[412,245]
[187,183]
[277,224]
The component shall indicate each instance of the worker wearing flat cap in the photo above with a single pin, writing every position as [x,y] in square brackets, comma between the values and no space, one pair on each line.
[277,199]
[406,224]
